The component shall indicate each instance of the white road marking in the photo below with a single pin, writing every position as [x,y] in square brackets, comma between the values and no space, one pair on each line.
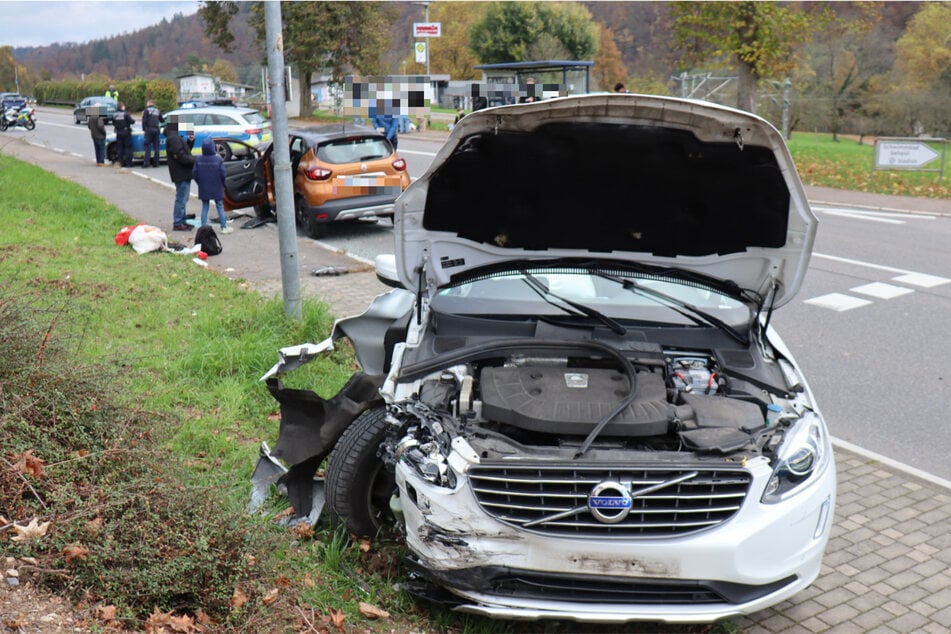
[417,152]
[869,265]
[881,290]
[880,216]
[921,279]
[846,214]
[838,302]
[841,302]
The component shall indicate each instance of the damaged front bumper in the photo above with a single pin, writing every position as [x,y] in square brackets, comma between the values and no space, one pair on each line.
[474,563]
[310,424]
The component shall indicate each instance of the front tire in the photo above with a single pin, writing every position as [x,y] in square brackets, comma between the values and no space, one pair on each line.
[358,485]
[112,153]
[30,124]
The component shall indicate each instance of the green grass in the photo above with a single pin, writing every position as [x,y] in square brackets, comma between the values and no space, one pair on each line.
[846,164]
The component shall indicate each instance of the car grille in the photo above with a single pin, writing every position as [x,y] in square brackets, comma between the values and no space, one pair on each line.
[589,589]
[553,500]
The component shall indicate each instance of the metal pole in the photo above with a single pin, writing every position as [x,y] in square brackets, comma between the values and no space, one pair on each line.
[281,157]
[786,85]
[429,43]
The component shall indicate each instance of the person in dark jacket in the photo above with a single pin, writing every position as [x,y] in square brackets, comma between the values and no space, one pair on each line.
[151,122]
[209,173]
[96,121]
[178,154]
[122,121]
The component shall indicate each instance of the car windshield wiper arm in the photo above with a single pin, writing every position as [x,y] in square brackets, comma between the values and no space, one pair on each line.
[687,310]
[544,292]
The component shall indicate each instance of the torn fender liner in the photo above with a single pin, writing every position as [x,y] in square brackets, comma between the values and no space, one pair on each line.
[311,426]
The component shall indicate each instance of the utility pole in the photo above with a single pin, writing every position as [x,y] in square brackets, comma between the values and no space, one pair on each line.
[428,44]
[283,185]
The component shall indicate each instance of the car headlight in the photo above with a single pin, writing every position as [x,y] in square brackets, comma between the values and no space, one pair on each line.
[803,453]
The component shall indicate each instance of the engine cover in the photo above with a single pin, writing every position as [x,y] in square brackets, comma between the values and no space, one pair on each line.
[572,400]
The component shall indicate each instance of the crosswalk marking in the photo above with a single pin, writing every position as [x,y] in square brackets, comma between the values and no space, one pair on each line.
[921,279]
[881,290]
[838,302]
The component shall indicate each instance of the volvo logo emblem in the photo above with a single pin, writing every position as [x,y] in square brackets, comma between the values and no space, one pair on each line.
[610,502]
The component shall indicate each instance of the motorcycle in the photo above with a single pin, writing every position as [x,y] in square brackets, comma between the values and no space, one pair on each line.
[24,117]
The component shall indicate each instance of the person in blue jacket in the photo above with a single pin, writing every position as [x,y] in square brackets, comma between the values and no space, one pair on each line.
[209,173]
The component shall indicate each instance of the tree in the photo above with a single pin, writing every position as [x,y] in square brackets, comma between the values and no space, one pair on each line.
[609,69]
[838,66]
[339,36]
[509,30]
[924,51]
[224,70]
[758,38]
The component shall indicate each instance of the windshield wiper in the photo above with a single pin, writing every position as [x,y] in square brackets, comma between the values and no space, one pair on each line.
[689,311]
[545,293]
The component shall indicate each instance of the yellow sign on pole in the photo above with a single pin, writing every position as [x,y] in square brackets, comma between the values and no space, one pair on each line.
[420,52]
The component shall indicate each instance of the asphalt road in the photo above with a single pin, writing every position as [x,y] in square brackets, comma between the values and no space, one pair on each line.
[870,326]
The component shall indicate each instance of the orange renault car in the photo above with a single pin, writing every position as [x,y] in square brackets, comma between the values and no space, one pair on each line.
[341,172]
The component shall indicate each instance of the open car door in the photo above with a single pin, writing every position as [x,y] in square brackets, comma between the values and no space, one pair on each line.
[248,175]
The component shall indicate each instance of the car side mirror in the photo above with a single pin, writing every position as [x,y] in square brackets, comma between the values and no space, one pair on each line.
[385,266]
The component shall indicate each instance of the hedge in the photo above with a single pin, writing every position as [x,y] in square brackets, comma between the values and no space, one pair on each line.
[134,93]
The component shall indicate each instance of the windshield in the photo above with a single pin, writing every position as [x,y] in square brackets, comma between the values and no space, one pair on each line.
[517,294]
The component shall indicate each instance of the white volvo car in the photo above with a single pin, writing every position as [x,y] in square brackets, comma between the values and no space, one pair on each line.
[573,405]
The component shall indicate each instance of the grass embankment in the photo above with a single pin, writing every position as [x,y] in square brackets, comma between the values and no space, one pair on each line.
[846,164]
[130,416]
[130,412]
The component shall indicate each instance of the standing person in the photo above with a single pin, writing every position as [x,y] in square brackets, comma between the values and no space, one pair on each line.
[97,129]
[112,93]
[178,154]
[151,121]
[122,122]
[209,173]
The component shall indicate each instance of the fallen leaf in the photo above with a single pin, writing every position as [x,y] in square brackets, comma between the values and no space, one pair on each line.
[270,597]
[373,612]
[94,525]
[184,624]
[285,513]
[309,581]
[365,545]
[303,530]
[32,531]
[106,612]
[337,617]
[28,463]
[157,621]
[203,618]
[238,599]
[75,551]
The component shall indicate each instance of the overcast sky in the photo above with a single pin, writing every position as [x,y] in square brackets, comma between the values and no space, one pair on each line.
[40,23]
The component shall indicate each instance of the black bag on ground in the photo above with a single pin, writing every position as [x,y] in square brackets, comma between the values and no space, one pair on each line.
[208,239]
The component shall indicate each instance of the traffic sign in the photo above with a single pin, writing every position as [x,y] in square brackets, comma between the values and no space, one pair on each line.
[904,154]
[427,29]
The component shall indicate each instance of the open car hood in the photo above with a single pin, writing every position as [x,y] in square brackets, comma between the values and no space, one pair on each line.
[667,182]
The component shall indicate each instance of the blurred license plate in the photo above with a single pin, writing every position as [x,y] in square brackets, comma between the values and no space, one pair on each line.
[365,184]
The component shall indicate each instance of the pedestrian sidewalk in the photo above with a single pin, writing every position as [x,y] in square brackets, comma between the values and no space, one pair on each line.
[888,563]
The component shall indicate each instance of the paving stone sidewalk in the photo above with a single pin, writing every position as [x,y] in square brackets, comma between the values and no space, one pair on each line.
[888,564]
